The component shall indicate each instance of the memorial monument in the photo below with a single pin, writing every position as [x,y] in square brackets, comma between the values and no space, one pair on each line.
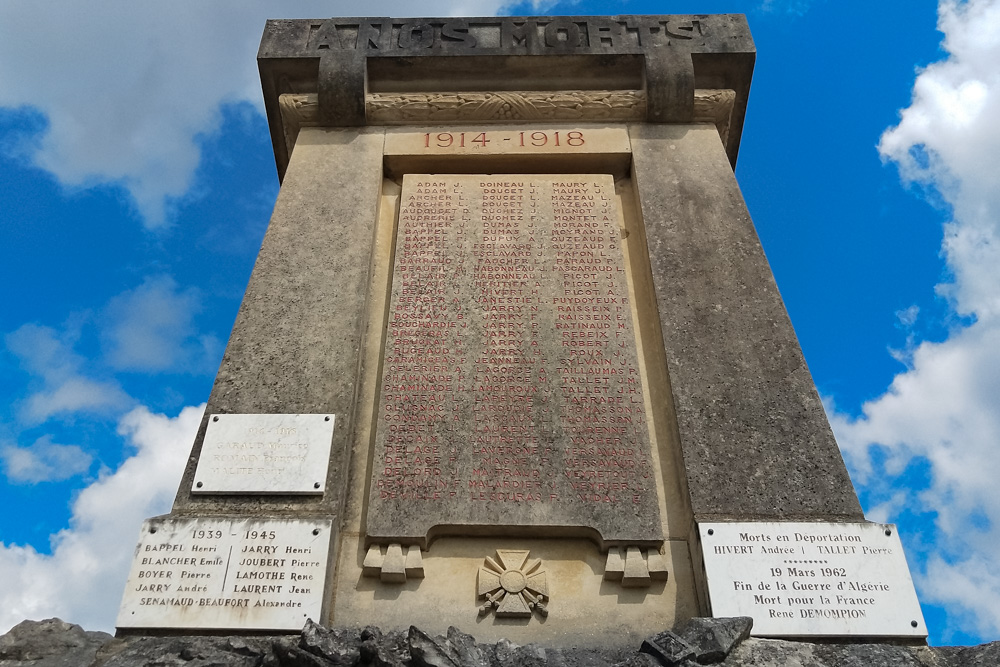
[512,359]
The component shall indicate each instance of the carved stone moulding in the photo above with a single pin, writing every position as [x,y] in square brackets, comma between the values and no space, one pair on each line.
[636,568]
[394,565]
[585,106]
[485,107]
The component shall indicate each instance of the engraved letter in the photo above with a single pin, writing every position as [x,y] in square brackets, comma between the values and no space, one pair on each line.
[370,37]
[562,33]
[602,32]
[518,35]
[458,31]
[416,35]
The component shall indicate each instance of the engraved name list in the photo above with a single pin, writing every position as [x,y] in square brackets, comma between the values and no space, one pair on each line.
[511,395]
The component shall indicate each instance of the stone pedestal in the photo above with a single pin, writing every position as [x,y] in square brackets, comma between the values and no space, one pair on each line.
[510,258]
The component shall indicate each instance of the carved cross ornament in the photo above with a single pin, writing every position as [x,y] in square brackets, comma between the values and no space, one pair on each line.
[513,585]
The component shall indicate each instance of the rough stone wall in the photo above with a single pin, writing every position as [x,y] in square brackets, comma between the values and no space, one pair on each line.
[702,641]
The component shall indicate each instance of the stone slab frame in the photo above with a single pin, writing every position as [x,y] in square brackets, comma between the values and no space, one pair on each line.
[750,427]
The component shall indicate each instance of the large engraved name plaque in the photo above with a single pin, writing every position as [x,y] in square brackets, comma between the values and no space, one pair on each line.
[511,400]
[216,574]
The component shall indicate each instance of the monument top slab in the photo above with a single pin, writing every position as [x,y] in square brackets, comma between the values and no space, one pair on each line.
[346,62]
[532,35]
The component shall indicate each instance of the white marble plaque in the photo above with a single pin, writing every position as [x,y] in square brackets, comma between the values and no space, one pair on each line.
[262,454]
[812,579]
[216,574]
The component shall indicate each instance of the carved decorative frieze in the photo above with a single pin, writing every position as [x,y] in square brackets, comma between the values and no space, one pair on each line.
[297,111]
[302,110]
[513,585]
[715,106]
[484,107]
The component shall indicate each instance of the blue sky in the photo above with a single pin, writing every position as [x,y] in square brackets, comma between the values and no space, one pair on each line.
[136,180]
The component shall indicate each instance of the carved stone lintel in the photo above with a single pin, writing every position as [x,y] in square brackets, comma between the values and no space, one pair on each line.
[394,566]
[302,110]
[486,107]
[636,569]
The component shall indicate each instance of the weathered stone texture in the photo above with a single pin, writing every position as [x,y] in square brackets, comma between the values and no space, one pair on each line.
[309,287]
[185,652]
[50,643]
[702,641]
[755,440]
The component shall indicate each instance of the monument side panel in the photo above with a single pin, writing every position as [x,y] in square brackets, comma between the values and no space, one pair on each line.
[755,439]
[295,344]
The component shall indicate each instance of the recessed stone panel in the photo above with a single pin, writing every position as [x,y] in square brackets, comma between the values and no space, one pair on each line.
[218,574]
[511,400]
[812,579]
[506,140]
[280,454]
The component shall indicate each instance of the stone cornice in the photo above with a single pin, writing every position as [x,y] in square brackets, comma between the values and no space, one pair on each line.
[387,71]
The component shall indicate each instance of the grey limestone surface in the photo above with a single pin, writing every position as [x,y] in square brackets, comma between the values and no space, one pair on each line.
[755,439]
[295,345]
[723,642]
[50,643]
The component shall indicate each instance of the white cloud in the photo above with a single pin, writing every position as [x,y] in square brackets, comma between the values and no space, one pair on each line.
[940,419]
[44,352]
[974,582]
[908,316]
[76,394]
[150,328]
[948,139]
[128,86]
[43,461]
[83,578]
[48,355]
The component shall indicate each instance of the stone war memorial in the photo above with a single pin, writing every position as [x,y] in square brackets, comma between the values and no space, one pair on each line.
[512,359]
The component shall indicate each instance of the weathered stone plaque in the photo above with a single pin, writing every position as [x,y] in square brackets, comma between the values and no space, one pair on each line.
[507,140]
[809,579]
[226,574]
[511,398]
[253,454]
